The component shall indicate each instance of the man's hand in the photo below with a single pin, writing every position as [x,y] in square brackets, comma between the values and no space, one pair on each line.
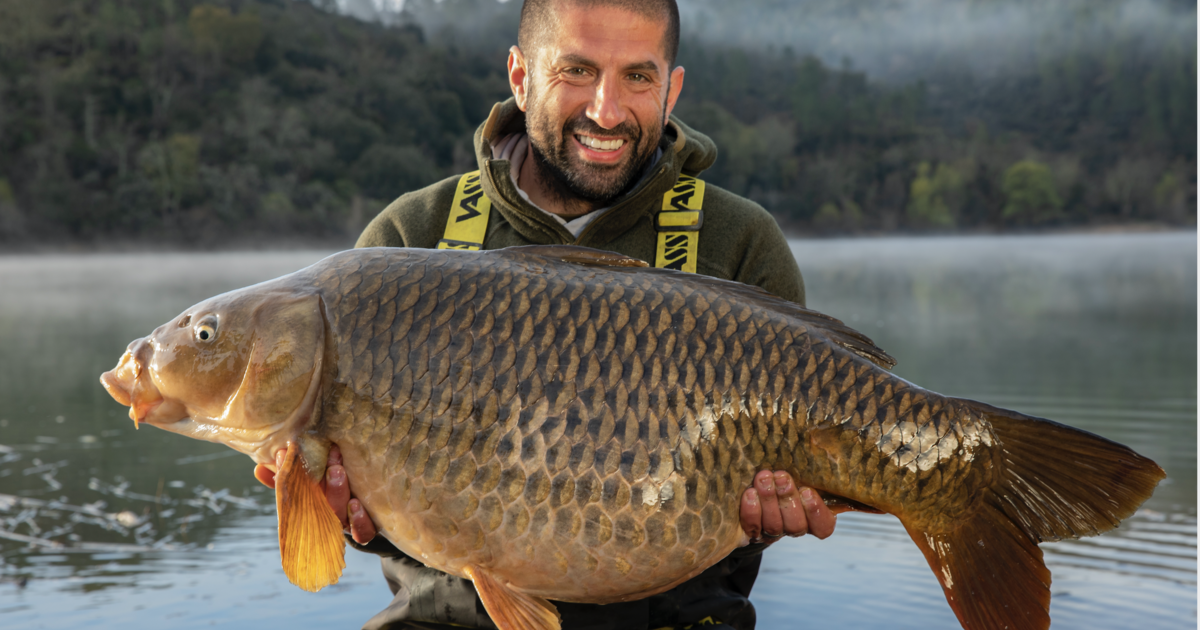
[773,506]
[337,491]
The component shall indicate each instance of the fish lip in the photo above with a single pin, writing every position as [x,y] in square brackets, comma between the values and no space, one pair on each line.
[130,383]
[112,384]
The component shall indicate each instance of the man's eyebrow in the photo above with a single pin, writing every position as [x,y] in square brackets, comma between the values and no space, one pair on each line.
[576,60]
[579,60]
[645,66]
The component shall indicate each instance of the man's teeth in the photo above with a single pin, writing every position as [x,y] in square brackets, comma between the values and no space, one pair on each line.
[600,145]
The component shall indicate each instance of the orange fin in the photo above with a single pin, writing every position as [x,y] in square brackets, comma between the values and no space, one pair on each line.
[992,574]
[511,610]
[1053,482]
[310,536]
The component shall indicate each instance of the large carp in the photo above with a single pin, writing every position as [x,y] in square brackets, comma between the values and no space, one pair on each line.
[567,424]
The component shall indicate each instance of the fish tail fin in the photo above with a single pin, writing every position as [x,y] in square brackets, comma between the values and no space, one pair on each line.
[1053,482]
[311,545]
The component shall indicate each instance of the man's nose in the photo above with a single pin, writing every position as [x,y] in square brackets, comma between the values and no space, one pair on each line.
[605,109]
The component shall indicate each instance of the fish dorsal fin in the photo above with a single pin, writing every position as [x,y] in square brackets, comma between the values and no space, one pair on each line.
[311,545]
[574,254]
[832,329]
[848,338]
[512,610]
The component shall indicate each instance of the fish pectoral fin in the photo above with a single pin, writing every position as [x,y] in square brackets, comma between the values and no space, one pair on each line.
[311,545]
[512,610]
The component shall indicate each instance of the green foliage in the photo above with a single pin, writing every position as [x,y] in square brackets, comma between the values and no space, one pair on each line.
[12,224]
[1032,198]
[216,30]
[935,196]
[172,167]
[196,121]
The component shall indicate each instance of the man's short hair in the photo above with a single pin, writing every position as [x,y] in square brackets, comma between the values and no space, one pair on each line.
[537,20]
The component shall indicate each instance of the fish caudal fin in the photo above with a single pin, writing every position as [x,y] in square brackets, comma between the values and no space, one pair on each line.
[310,536]
[1054,482]
[511,610]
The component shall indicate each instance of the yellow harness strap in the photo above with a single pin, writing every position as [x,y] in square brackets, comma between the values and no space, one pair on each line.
[678,222]
[467,224]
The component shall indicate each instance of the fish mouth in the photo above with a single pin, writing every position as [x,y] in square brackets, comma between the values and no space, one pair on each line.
[130,384]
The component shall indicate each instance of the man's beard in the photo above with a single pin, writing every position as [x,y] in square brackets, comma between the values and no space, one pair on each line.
[574,180]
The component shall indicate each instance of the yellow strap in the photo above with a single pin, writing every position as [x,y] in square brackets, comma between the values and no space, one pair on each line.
[678,221]
[468,220]
[678,224]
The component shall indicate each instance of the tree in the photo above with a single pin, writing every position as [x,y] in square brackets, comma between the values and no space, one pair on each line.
[1030,193]
[935,197]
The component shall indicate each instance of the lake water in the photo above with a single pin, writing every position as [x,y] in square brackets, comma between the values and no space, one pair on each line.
[105,527]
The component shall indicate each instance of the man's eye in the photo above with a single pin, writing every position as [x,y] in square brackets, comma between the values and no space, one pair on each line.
[576,72]
[638,77]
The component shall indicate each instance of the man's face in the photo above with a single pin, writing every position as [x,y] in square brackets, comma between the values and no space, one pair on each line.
[596,97]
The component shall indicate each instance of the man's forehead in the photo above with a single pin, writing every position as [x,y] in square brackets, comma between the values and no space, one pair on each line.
[606,35]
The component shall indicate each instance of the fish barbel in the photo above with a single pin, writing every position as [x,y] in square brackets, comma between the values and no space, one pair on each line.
[559,423]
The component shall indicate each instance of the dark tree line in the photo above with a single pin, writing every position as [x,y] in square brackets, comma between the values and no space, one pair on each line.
[226,121]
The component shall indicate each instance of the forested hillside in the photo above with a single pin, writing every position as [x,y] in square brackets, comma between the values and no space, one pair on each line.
[230,122]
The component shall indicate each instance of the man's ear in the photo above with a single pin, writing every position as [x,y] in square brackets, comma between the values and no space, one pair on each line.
[518,76]
[676,85]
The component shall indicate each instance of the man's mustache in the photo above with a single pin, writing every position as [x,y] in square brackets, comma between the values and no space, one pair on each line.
[586,126]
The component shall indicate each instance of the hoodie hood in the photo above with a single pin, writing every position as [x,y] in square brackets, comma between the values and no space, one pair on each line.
[685,151]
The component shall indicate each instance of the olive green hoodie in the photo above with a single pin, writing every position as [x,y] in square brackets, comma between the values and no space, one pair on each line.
[738,241]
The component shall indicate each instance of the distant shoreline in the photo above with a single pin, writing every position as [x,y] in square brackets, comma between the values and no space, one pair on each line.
[296,244]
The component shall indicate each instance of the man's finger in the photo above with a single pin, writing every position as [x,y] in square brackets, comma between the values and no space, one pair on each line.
[821,520]
[337,488]
[751,514]
[265,475]
[337,492]
[795,522]
[362,528]
[772,521]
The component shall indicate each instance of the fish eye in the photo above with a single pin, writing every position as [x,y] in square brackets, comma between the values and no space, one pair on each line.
[206,330]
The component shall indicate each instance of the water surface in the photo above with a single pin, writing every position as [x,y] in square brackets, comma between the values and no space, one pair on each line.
[102,526]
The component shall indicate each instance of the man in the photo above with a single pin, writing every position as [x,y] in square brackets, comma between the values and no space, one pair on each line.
[583,154]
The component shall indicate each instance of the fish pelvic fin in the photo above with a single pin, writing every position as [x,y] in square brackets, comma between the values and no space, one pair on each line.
[1053,482]
[311,544]
[510,609]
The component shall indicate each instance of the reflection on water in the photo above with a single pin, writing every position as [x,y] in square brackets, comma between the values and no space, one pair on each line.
[109,527]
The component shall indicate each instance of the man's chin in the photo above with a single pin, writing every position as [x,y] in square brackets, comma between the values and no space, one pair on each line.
[603,182]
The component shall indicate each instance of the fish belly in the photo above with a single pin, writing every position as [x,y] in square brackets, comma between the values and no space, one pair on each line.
[560,537]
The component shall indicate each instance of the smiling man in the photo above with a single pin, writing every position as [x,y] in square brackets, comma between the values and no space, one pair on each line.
[587,153]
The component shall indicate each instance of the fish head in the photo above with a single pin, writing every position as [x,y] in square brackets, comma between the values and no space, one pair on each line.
[242,369]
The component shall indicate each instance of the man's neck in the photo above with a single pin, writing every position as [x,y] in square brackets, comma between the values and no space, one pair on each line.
[533,181]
